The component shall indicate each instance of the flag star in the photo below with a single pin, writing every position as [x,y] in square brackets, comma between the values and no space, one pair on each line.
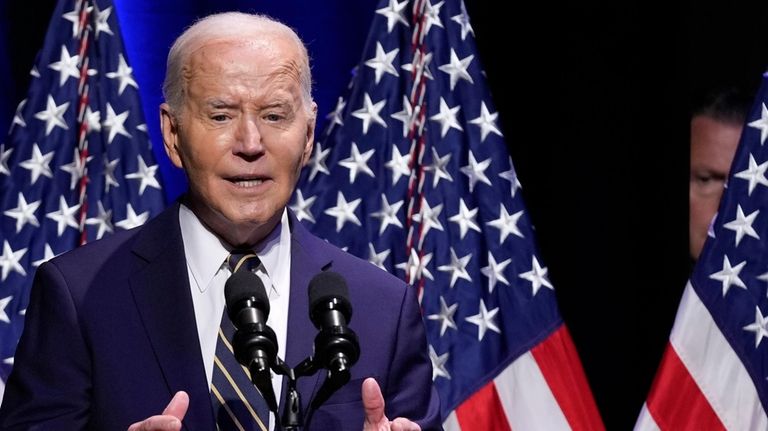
[419,66]
[142,128]
[53,115]
[370,113]
[485,319]
[9,261]
[457,267]
[495,272]
[92,120]
[416,266]
[759,327]
[388,214]
[439,168]
[8,361]
[432,16]
[65,216]
[24,213]
[74,17]
[729,275]
[511,176]
[4,156]
[447,118]
[38,164]
[317,164]
[76,168]
[123,74]
[18,118]
[429,218]
[742,225]
[755,174]
[301,207]
[47,255]
[146,174]
[4,314]
[102,16]
[506,223]
[537,276]
[67,66]
[344,211]
[445,316]
[405,116]
[457,68]
[132,219]
[487,122]
[103,221]
[465,218]
[438,364]
[115,123]
[377,259]
[357,162]
[463,20]
[761,124]
[109,173]
[400,165]
[476,171]
[336,116]
[394,12]
[382,62]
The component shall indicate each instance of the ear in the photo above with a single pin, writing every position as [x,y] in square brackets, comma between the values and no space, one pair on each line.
[310,137]
[170,130]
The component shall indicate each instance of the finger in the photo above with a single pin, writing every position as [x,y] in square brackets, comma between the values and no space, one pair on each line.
[157,423]
[178,405]
[403,424]
[373,402]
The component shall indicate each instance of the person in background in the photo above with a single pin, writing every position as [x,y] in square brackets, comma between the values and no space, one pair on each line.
[716,124]
[124,333]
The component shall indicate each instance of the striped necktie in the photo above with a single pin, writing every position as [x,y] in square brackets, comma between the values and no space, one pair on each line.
[237,404]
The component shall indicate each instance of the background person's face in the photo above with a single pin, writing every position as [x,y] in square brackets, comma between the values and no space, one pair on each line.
[243,135]
[713,144]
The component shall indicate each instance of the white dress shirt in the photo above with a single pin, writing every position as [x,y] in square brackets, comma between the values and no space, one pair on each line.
[207,267]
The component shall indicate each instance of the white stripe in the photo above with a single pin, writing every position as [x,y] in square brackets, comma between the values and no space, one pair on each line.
[527,400]
[645,421]
[451,423]
[714,366]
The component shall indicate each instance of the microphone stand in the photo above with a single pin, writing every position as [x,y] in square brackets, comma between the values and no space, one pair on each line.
[292,416]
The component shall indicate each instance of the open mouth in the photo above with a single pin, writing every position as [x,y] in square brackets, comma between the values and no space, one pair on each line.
[245,182]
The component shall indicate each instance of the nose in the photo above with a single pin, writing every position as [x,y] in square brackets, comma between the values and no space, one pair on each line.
[248,138]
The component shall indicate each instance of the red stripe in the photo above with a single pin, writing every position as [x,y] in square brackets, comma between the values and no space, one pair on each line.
[675,400]
[483,411]
[559,363]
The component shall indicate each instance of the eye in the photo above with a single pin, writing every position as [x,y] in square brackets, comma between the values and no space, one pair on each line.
[273,117]
[219,118]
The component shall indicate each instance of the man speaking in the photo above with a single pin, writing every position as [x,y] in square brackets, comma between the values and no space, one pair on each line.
[132,332]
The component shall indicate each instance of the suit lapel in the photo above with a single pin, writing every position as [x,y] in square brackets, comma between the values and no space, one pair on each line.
[161,292]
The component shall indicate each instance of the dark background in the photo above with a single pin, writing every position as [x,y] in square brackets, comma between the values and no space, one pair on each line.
[593,102]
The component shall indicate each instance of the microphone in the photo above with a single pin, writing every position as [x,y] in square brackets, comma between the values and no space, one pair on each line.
[336,346]
[254,343]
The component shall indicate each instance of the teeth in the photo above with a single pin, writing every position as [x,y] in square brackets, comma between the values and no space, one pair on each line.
[248,183]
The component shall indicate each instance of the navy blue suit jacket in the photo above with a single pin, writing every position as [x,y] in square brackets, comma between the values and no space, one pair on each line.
[110,336]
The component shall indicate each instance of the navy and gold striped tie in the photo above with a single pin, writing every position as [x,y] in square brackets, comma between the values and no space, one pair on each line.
[237,404]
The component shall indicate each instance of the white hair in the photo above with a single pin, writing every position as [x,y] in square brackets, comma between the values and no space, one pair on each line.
[226,25]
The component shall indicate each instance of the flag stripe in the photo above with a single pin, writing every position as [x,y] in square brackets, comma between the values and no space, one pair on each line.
[676,402]
[712,363]
[646,422]
[483,411]
[523,390]
[559,363]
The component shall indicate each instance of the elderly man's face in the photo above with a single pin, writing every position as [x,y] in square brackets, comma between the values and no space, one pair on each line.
[243,134]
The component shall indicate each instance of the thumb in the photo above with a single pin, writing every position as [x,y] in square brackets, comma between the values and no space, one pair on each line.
[178,405]
[373,402]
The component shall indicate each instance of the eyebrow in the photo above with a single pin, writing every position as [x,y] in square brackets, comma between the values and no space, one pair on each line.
[220,104]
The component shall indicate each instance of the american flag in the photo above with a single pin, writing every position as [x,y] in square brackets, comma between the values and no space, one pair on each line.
[714,372]
[77,163]
[412,173]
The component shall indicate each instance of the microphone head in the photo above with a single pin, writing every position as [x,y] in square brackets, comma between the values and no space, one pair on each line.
[241,287]
[328,289]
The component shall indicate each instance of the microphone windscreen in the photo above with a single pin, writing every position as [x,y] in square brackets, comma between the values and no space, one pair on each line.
[327,285]
[244,285]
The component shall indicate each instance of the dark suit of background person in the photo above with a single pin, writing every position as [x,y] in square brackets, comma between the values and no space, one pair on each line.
[110,331]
